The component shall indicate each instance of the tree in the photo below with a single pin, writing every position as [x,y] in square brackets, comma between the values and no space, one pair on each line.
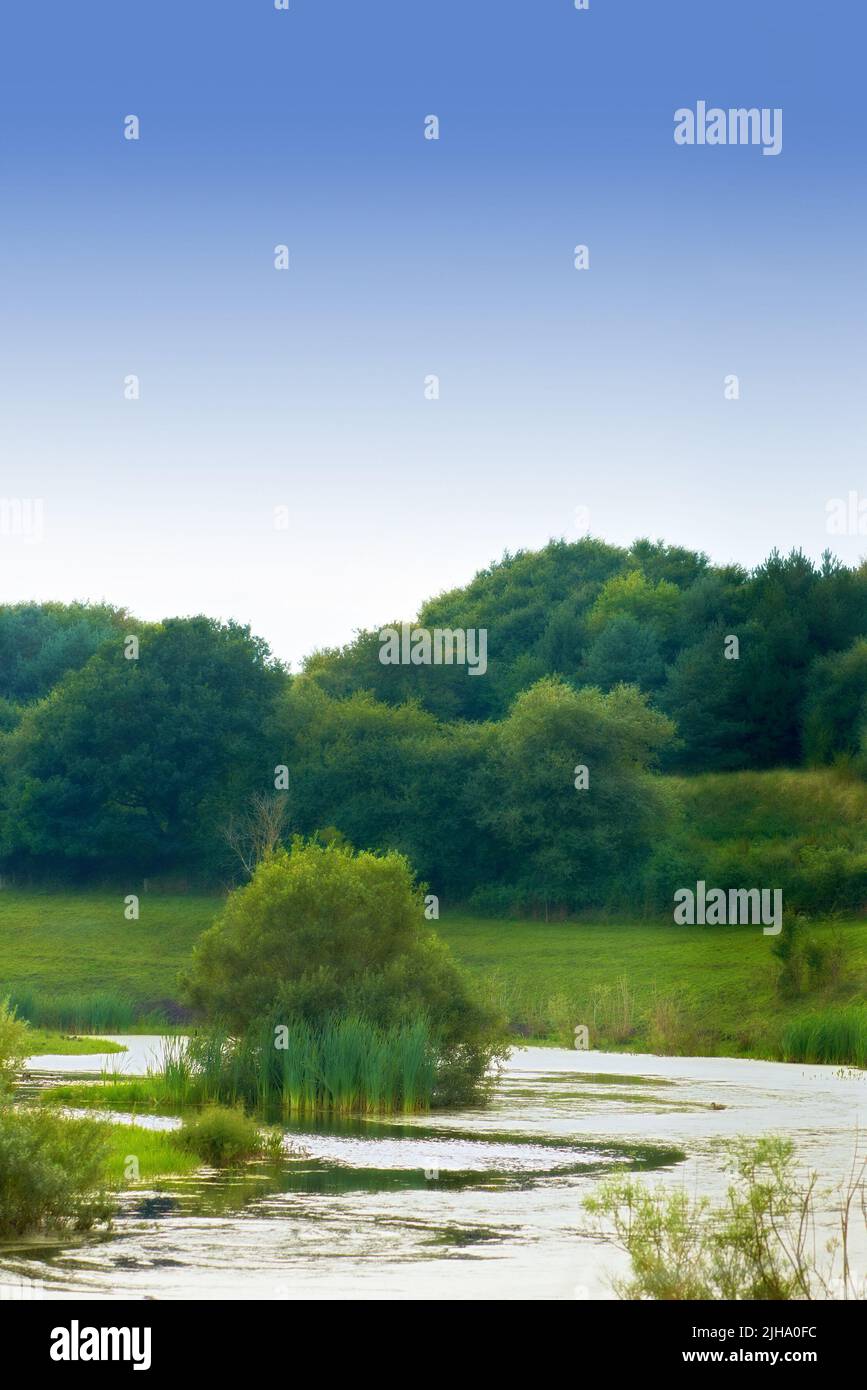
[704,695]
[626,651]
[566,844]
[631,595]
[530,603]
[40,642]
[835,708]
[255,832]
[388,778]
[133,763]
[673,563]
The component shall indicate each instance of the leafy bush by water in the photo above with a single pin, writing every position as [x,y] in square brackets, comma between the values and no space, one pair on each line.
[760,1244]
[334,948]
[14,1045]
[222,1136]
[52,1171]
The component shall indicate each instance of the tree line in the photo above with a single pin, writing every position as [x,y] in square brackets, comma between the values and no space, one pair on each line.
[538,782]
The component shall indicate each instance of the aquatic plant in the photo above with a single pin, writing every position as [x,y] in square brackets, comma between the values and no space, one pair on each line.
[224,1135]
[342,1066]
[52,1171]
[760,1244]
[834,1035]
[91,1011]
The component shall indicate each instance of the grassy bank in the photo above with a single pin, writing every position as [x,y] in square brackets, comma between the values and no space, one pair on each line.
[45,1043]
[634,984]
[804,831]
[136,1156]
[646,985]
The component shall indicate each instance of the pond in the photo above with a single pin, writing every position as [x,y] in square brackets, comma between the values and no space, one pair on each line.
[481,1203]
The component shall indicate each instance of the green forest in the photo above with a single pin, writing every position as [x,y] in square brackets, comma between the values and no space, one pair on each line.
[170,756]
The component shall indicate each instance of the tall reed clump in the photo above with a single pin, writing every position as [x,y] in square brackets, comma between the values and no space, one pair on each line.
[835,1035]
[342,1066]
[97,1011]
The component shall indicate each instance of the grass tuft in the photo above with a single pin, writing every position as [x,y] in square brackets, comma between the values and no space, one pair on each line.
[830,1035]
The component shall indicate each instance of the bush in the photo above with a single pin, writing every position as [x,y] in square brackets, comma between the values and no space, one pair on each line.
[14,1045]
[759,1245]
[806,964]
[52,1171]
[222,1137]
[612,1012]
[673,1028]
[320,933]
[788,949]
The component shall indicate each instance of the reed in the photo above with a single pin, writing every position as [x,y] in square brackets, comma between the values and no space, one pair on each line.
[342,1066]
[835,1035]
[96,1011]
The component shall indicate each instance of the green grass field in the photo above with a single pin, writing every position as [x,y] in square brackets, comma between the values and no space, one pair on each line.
[702,989]
[634,984]
[137,1156]
[69,942]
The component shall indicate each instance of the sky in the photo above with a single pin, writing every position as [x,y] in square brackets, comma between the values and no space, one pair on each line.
[283,465]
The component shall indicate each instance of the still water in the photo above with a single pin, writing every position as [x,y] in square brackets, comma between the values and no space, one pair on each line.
[482,1203]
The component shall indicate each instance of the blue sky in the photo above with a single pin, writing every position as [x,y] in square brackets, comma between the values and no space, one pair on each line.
[559,389]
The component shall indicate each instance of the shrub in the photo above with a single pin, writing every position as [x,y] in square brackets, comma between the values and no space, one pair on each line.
[51,1171]
[673,1029]
[222,1137]
[759,1245]
[789,951]
[612,1011]
[14,1045]
[807,964]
